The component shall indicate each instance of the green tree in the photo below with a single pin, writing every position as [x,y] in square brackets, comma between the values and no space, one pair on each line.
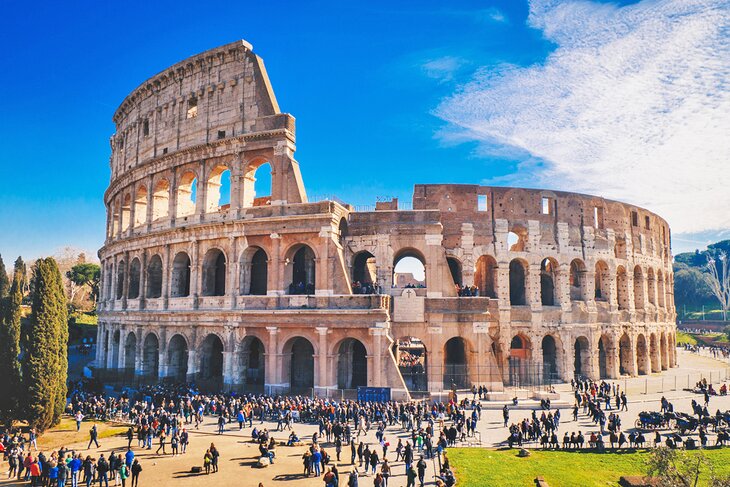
[690,286]
[45,365]
[86,274]
[10,379]
[4,281]
[675,468]
[21,267]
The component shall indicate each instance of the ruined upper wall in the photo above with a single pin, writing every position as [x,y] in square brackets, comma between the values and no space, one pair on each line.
[218,94]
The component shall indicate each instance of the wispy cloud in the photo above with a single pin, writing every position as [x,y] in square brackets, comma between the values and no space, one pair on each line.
[633,104]
[443,68]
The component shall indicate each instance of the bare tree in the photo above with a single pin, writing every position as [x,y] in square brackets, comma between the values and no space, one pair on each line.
[719,280]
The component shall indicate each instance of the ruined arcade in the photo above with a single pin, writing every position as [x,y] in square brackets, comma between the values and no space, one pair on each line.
[265,290]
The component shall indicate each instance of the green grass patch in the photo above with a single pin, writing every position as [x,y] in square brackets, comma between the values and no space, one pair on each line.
[479,467]
[685,338]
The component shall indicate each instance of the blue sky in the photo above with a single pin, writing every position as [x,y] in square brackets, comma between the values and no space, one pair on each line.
[389,94]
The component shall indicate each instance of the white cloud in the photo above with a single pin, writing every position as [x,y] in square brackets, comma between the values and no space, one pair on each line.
[442,69]
[633,104]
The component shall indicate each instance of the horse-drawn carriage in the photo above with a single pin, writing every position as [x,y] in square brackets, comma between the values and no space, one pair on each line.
[650,420]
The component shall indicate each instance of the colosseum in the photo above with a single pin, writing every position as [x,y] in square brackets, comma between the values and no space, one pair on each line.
[208,277]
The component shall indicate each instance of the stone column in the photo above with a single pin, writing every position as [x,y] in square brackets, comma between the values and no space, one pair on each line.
[172,208]
[376,373]
[273,374]
[533,289]
[166,275]
[143,280]
[502,271]
[201,197]
[195,273]
[125,286]
[275,285]
[228,377]
[232,272]
[150,202]
[320,380]
[192,364]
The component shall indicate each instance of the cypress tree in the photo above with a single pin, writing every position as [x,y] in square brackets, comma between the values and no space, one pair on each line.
[10,379]
[45,365]
[4,281]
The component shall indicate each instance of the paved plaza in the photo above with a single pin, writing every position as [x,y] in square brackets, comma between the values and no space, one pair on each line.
[239,454]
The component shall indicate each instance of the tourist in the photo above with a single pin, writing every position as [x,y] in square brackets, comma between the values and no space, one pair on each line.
[123,473]
[136,469]
[102,471]
[421,467]
[207,460]
[214,457]
[93,435]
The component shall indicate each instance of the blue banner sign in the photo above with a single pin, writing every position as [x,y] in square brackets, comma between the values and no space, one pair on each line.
[373,394]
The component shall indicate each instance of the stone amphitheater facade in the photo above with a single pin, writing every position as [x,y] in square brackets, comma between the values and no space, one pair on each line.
[280,293]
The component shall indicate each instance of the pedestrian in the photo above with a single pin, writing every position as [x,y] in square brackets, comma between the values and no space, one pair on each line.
[102,471]
[411,477]
[93,437]
[421,467]
[136,469]
[161,445]
[207,459]
[214,457]
[123,473]
[79,417]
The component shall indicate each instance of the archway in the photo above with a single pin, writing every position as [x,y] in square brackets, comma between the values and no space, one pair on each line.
[364,273]
[126,211]
[252,364]
[186,195]
[642,356]
[177,359]
[303,270]
[409,269]
[180,281]
[210,373]
[257,184]
[582,357]
[517,239]
[300,354]
[456,368]
[412,358]
[130,355]
[550,363]
[151,357]
[602,281]
[154,277]
[115,350]
[520,356]
[517,282]
[455,270]
[120,279]
[140,206]
[548,272]
[625,355]
[577,278]
[214,273]
[656,365]
[161,200]
[485,276]
[218,190]
[352,364]
[134,275]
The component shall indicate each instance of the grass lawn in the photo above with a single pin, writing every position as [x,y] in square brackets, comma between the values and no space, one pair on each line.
[479,467]
[683,338]
[65,433]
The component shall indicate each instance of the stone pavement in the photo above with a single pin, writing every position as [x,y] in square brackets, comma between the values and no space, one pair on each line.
[239,455]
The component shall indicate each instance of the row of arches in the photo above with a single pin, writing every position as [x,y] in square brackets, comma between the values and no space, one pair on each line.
[158,200]
[208,369]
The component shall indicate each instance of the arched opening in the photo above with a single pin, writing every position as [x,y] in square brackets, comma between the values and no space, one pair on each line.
[252,364]
[180,280]
[548,277]
[126,211]
[409,269]
[485,276]
[642,356]
[254,272]
[550,370]
[456,373]
[364,273]
[154,277]
[114,227]
[664,350]
[582,357]
[299,353]
[603,279]
[656,365]
[210,373]
[140,206]
[120,279]
[116,338]
[161,200]
[520,355]
[412,358]
[342,231]
[455,269]
[218,190]
[151,357]
[661,291]
[177,359]
[517,283]
[625,355]
[302,267]
[517,239]
[651,286]
[134,268]
[577,278]
[622,288]
[352,364]
[257,184]
[638,288]
[214,273]
[186,194]
[603,354]
[130,355]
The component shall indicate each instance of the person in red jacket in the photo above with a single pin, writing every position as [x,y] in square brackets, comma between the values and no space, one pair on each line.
[35,473]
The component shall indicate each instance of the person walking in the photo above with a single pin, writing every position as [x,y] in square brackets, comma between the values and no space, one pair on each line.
[123,473]
[162,443]
[421,467]
[93,437]
[102,471]
[136,469]
[411,477]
